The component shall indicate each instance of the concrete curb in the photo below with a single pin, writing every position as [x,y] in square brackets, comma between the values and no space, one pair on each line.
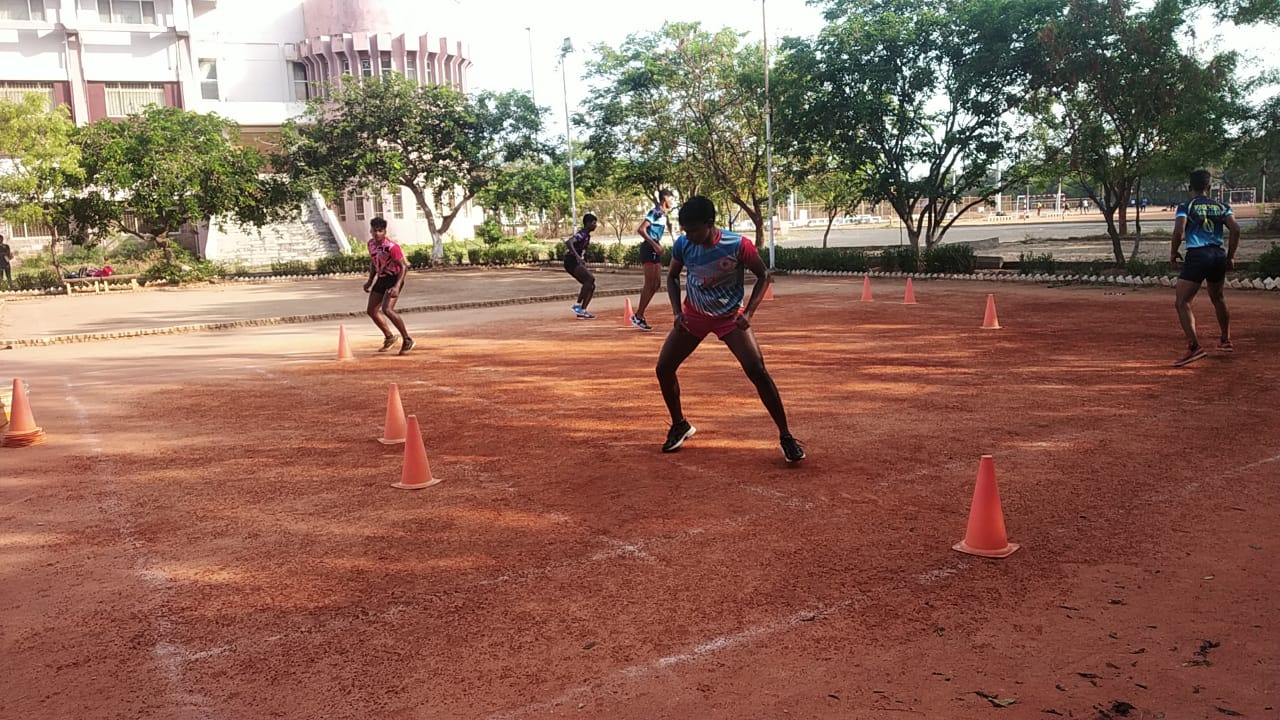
[8,343]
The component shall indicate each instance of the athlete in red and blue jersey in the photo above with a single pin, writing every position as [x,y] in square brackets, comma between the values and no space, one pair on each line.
[716,260]
[387,271]
[1202,221]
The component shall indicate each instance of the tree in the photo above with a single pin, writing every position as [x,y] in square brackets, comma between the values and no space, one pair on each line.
[163,168]
[683,108]
[41,178]
[1130,103]
[441,145]
[834,189]
[925,97]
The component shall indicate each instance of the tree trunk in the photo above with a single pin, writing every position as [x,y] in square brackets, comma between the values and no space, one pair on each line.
[1109,214]
[830,220]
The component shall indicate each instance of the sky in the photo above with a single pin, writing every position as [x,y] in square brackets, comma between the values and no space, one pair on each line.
[515,44]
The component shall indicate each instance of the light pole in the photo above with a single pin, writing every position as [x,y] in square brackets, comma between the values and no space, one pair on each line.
[565,49]
[768,133]
[533,94]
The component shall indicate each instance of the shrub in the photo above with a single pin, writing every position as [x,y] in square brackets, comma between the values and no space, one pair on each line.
[343,263]
[475,254]
[291,267]
[418,256]
[1033,264]
[808,258]
[490,232]
[1137,266]
[183,268]
[900,259]
[1268,263]
[38,279]
[455,253]
[954,258]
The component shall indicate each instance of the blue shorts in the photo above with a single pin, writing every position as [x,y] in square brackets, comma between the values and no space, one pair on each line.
[1201,264]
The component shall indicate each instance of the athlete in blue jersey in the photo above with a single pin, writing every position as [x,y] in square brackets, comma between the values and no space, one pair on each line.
[716,260]
[1201,221]
[651,230]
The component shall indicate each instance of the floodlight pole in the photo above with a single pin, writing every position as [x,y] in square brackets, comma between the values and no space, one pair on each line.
[565,49]
[533,93]
[768,135]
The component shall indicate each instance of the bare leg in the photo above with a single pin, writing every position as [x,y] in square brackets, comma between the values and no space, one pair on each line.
[1184,293]
[584,276]
[1220,307]
[747,350]
[652,283]
[679,345]
[375,312]
[389,309]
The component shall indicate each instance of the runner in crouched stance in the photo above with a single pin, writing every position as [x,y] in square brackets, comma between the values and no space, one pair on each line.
[715,260]
[575,263]
[387,271]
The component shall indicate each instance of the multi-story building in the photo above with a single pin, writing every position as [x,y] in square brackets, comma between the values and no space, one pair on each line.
[253,61]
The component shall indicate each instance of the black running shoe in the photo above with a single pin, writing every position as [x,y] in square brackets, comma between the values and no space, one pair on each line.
[407,346]
[791,449]
[387,343]
[676,436]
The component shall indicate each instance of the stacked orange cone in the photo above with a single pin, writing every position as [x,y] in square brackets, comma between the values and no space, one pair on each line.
[627,312]
[866,289]
[417,471]
[910,297]
[394,431]
[22,431]
[990,321]
[344,350]
[985,535]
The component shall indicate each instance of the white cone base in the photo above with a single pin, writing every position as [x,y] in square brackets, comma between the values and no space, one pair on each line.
[402,486]
[1006,551]
[386,441]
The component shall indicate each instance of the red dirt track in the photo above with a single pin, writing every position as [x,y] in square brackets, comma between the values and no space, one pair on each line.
[225,544]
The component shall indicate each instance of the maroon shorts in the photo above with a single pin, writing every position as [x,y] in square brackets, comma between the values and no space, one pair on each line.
[703,325]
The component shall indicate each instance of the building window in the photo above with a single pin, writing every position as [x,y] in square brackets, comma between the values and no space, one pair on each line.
[397,204]
[129,12]
[340,207]
[16,91]
[366,68]
[301,88]
[411,66]
[361,199]
[125,99]
[386,64]
[379,209]
[22,10]
[346,65]
[209,79]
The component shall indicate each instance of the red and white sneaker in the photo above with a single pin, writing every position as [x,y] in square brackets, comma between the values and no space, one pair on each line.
[1194,353]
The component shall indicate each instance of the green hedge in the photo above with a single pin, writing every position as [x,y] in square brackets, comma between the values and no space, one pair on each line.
[1033,264]
[1268,263]
[957,258]
[812,258]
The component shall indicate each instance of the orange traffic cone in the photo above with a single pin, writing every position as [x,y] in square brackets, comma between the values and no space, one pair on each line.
[991,322]
[627,312]
[910,297]
[393,432]
[344,350]
[768,289]
[417,471]
[866,289]
[985,535]
[22,430]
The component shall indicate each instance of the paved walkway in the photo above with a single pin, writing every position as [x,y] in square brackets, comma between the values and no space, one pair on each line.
[59,318]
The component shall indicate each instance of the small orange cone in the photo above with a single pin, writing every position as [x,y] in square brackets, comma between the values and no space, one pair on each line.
[417,471]
[866,289]
[627,312]
[910,297]
[344,350]
[22,430]
[985,535]
[393,432]
[991,322]
[768,289]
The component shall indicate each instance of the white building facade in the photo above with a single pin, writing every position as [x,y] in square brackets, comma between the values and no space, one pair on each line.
[253,61]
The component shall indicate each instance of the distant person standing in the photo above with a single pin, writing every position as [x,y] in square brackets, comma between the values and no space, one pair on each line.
[387,271]
[1201,221]
[6,256]
[651,230]
[575,263]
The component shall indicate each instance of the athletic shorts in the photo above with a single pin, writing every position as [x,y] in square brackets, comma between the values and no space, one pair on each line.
[570,263]
[648,256]
[385,283]
[1202,264]
[703,325]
